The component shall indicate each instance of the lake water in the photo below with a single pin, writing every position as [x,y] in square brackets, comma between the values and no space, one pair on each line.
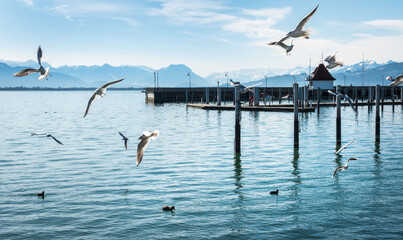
[95,191]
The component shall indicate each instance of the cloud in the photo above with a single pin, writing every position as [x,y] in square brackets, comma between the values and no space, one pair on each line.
[129,21]
[254,24]
[387,24]
[28,2]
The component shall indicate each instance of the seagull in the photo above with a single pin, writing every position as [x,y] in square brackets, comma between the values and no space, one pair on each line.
[395,81]
[100,92]
[125,139]
[43,73]
[47,135]
[338,151]
[343,168]
[281,43]
[145,139]
[346,97]
[298,32]
[243,89]
[333,62]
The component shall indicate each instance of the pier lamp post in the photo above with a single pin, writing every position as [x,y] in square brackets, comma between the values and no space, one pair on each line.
[190,79]
[155,79]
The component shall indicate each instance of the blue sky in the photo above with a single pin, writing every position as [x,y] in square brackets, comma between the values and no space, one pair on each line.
[208,36]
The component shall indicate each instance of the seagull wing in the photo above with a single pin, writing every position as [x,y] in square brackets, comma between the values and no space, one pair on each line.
[333,93]
[350,102]
[305,20]
[25,72]
[399,78]
[251,86]
[125,139]
[33,134]
[39,55]
[111,83]
[341,149]
[335,171]
[89,103]
[141,147]
[55,139]
[283,39]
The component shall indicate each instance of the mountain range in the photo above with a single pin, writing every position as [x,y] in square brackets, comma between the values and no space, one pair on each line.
[178,75]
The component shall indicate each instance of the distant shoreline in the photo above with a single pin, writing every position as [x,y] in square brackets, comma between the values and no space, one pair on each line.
[63,89]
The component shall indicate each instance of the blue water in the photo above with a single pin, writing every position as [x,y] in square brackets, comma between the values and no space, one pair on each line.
[95,191]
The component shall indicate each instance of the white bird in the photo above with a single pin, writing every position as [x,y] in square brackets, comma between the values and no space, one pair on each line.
[100,92]
[346,97]
[47,135]
[286,47]
[243,89]
[124,139]
[341,149]
[332,62]
[43,73]
[145,140]
[298,32]
[395,81]
[343,168]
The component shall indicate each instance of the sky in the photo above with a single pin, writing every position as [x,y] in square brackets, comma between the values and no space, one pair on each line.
[207,36]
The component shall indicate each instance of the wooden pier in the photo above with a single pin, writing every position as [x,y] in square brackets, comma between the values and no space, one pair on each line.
[276,108]
[279,94]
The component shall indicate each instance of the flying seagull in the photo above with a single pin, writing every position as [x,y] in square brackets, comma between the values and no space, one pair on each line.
[145,139]
[100,92]
[343,168]
[341,149]
[43,73]
[332,62]
[298,32]
[395,81]
[124,139]
[47,135]
[346,97]
[281,43]
[243,89]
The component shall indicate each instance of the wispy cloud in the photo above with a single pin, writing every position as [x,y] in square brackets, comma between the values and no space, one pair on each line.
[129,21]
[254,24]
[28,2]
[387,24]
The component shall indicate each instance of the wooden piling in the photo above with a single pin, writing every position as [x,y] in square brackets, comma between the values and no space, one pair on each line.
[302,97]
[218,94]
[338,118]
[279,96]
[319,93]
[237,140]
[207,95]
[256,96]
[377,118]
[393,99]
[187,96]
[296,124]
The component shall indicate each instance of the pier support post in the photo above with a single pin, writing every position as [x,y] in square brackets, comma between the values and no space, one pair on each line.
[338,118]
[256,96]
[296,123]
[186,96]
[393,99]
[401,96]
[218,94]
[302,97]
[377,118]
[207,95]
[319,93]
[306,103]
[237,140]
[279,95]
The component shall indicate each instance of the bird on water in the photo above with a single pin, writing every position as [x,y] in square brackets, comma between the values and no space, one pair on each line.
[145,140]
[168,208]
[274,192]
[43,73]
[100,92]
[345,167]
[42,194]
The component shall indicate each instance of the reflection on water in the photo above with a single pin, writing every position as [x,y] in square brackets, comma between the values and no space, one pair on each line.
[238,206]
